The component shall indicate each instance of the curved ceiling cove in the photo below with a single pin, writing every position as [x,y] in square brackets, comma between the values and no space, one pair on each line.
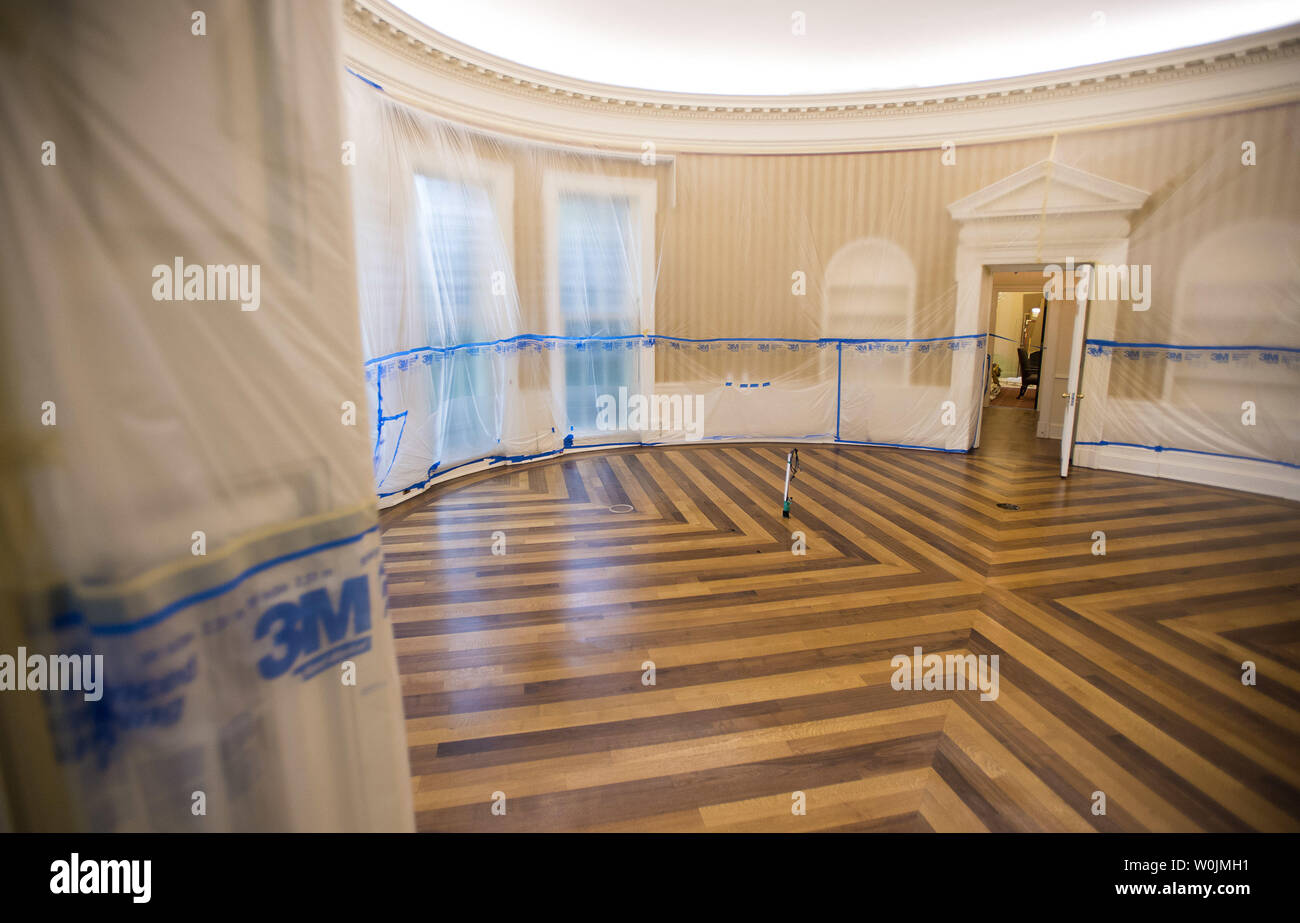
[802,47]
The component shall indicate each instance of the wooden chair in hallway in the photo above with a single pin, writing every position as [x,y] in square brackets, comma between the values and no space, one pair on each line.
[1029,366]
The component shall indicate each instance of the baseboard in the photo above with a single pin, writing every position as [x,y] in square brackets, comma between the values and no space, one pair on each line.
[1234,473]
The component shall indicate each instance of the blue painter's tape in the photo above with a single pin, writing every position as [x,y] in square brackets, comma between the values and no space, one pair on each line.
[214,591]
[651,339]
[765,438]
[363,79]
[1165,448]
[902,445]
[515,459]
[825,341]
[839,380]
[1116,344]
[398,445]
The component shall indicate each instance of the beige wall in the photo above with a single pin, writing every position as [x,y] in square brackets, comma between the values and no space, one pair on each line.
[743,224]
[732,229]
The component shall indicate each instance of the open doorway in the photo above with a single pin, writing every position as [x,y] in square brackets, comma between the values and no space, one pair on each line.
[1016,330]
[1022,331]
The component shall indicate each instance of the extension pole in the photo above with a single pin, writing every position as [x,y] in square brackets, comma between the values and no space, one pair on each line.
[785,498]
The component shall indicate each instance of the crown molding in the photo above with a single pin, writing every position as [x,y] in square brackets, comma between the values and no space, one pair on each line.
[422,67]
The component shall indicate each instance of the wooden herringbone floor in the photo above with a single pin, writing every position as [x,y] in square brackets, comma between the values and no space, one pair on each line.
[1119,674]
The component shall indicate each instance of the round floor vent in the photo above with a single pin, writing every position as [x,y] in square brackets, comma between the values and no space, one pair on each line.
[621,508]
[1008,506]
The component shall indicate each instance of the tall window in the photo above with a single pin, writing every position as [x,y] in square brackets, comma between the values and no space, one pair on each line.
[464,285]
[602,251]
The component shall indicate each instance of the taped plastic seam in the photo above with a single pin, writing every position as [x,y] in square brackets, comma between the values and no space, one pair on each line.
[386,374]
[1165,448]
[532,288]
[511,304]
[1219,401]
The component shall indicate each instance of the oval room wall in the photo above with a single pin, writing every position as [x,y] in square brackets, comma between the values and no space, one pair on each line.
[1134,162]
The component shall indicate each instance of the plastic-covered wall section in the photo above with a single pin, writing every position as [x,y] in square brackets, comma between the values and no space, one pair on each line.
[519,298]
[185,495]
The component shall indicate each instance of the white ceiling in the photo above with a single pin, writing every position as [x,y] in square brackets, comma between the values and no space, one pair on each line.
[748,47]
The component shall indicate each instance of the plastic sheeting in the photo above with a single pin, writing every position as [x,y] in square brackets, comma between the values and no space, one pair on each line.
[185,495]
[1191,365]
[512,291]
[1210,366]
[508,294]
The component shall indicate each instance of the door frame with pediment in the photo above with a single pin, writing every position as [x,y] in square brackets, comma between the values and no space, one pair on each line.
[1047,213]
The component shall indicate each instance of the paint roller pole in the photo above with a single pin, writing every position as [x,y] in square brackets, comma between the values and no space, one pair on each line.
[791,466]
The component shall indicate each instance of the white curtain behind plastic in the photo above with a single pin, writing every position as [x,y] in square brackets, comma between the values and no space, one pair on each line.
[184,494]
[509,309]
[517,298]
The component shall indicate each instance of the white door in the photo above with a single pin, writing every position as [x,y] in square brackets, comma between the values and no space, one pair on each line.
[1072,396]
[984,399]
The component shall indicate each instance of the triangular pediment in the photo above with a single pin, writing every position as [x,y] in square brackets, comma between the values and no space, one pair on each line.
[1049,188]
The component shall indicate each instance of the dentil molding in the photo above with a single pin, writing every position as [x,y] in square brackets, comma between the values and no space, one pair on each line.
[419,66]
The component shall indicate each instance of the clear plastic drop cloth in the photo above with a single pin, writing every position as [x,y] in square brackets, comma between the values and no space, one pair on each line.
[190,532]
[520,298]
[1193,344]
[512,308]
